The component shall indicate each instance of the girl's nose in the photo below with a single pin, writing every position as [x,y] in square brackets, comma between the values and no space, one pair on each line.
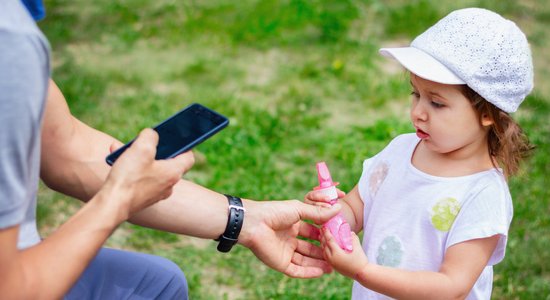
[418,110]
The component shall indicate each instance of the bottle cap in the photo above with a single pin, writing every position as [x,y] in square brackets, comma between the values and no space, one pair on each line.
[323,175]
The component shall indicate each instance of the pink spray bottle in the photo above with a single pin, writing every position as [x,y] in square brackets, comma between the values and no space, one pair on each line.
[337,225]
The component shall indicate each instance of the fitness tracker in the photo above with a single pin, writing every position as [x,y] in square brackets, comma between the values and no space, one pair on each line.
[234,224]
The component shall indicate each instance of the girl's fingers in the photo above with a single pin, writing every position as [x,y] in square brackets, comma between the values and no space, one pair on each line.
[355,240]
[323,204]
[316,196]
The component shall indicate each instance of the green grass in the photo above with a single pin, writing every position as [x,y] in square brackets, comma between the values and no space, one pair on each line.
[280,70]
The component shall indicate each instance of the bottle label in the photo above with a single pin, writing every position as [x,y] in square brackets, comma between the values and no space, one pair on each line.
[331,192]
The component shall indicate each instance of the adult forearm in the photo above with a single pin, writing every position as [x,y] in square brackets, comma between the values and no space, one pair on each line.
[73,163]
[50,268]
[72,153]
[77,168]
[191,210]
[80,171]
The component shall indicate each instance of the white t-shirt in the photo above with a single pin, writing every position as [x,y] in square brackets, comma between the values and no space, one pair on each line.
[411,218]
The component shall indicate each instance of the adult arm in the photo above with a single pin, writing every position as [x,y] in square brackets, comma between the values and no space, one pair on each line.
[73,162]
[48,269]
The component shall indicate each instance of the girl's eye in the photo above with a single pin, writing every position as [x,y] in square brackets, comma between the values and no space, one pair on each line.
[415,94]
[437,104]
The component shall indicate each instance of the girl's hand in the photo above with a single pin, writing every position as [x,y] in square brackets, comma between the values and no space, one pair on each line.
[347,264]
[318,198]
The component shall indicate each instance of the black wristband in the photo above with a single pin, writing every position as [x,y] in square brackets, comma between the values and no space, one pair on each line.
[234,224]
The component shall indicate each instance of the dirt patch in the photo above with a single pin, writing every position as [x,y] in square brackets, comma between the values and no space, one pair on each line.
[221,291]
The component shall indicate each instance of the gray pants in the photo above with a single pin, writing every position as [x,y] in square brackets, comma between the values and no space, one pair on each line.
[117,274]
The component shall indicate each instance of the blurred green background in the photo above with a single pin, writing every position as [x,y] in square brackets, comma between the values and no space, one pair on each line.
[301,82]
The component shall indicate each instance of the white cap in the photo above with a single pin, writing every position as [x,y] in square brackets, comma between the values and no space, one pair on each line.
[476,47]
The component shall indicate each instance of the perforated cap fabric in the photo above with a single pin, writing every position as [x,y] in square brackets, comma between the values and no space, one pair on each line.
[477,47]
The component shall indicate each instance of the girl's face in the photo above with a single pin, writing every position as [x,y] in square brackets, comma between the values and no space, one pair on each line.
[445,119]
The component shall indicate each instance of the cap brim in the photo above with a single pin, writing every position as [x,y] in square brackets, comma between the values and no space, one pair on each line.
[422,64]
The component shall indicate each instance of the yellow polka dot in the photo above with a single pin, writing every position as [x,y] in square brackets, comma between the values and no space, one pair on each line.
[444,213]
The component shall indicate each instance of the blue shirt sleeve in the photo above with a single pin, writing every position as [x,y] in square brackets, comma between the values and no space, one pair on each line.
[36,9]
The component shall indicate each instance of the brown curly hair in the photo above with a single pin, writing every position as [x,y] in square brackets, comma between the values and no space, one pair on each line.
[507,142]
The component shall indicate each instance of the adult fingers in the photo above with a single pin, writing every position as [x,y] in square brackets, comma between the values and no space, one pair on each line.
[146,142]
[166,193]
[300,271]
[296,271]
[308,262]
[173,168]
[183,161]
[315,213]
[115,145]
[309,231]
[308,249]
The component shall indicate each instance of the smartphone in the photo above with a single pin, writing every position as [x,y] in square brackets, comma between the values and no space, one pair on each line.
[182,131]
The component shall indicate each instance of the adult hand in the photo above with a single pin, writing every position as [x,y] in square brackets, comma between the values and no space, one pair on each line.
[271,231]
[138,180]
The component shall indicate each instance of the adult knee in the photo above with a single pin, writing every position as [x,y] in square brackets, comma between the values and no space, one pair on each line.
[177,287]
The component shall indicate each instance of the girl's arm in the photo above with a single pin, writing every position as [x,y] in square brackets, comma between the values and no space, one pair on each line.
[461,267]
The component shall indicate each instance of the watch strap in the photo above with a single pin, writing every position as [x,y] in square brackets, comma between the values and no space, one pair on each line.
[235,222]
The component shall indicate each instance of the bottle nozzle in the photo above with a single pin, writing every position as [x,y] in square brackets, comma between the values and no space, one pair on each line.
[323,174]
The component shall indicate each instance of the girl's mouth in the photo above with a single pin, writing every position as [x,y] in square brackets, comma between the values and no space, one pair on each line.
[421,134]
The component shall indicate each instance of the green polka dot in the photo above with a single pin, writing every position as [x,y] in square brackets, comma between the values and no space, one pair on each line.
[390,252]
[444,213]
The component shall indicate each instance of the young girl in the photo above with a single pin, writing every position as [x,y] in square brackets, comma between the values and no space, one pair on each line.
[435,206]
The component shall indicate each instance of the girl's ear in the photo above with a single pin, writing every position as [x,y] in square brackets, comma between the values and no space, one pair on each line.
[486,120]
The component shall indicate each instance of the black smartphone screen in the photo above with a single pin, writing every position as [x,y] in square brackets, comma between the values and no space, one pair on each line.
[182,131]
